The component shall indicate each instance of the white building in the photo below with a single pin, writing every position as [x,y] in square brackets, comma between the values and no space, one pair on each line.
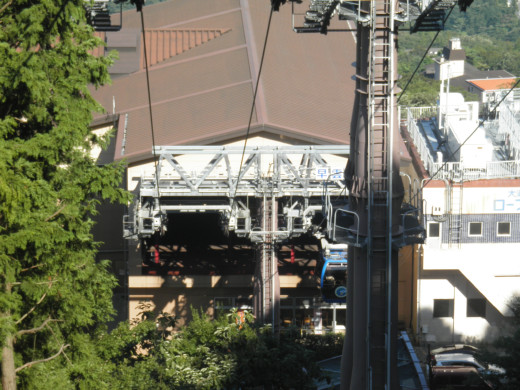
[469,268]
[451,62]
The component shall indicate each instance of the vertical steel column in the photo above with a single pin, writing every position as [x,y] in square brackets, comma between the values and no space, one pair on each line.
[267,280]
[376,193]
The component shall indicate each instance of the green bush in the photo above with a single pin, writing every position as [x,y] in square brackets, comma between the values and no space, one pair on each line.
[324,346]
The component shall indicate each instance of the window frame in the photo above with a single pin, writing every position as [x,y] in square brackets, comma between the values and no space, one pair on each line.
[430,224]
[476,310]
[232,302]
[481,229]
[451,304]
[508,234]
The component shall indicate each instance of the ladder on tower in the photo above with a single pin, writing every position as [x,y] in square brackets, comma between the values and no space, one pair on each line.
[455,215]
[381,121]
[381,102]
[268,273]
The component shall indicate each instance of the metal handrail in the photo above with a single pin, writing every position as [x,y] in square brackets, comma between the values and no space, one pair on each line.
[354,231]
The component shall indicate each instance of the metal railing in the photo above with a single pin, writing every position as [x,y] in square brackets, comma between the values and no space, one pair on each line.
[457,170]
[493,170]
[417,137]
[508,123]
[353,231]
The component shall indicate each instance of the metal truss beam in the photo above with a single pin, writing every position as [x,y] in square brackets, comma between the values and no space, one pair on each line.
[298,177]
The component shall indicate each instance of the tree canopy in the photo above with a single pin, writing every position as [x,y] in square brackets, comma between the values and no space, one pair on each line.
[229,352]
[53,295]
[505,351]
[489,33]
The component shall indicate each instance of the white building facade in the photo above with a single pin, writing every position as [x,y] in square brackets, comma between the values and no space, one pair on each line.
[470,268]
[470,263]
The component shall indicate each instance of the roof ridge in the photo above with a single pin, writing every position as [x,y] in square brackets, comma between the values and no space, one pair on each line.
[165,43]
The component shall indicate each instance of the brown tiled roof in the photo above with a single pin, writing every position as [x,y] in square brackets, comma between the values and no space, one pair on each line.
[162,44]
[204,95]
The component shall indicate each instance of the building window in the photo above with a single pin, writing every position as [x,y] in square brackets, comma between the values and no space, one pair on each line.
[442,308]
[476,308]
[224,304]
[504,228]
[297,312]
[475,228]
[327,317]
[434,229]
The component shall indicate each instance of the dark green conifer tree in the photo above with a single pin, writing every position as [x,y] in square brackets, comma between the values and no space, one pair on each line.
[53,294]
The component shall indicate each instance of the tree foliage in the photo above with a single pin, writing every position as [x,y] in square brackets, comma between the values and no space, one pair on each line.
[496,19]
[489,33]
[225,353]
[505,351]
[53,293]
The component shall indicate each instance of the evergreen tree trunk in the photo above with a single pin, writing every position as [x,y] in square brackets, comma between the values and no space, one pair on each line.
[8,368]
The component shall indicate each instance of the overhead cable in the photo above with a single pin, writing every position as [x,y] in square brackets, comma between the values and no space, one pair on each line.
[140,10]
[423,57]
[254,98]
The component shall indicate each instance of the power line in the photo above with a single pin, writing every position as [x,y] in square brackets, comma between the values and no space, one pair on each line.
[254,100]
[423,57]
[140,10]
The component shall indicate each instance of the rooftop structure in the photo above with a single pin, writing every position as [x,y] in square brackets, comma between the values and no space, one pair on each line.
[202,93]
[493,84]
[454,143]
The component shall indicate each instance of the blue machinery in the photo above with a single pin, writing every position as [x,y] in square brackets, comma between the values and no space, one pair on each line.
[333,276]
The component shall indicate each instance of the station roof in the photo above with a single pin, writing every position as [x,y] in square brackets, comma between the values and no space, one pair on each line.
[204,57]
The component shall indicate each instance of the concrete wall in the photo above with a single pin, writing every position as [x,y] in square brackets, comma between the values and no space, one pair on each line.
[477,200]
[481,267]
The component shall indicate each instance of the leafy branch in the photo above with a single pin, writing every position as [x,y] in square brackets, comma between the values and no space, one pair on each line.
[29,364]
[5,6]
[32,267]
[34,307]
[55,214]
[38,328]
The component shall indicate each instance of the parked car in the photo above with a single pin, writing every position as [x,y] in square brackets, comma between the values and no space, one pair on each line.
[452,348]
[456,366]
[457,378]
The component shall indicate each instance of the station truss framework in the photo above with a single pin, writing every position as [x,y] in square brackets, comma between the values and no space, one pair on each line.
[301,189]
